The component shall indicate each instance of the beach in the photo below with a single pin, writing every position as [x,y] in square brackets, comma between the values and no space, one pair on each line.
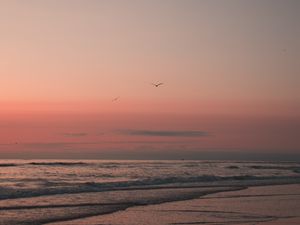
[266,205]
[146,192]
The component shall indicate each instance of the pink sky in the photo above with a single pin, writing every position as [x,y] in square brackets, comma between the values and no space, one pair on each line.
[230,72]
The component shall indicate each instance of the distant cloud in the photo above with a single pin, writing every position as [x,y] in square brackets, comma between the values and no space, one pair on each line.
[165,133]
[75,134]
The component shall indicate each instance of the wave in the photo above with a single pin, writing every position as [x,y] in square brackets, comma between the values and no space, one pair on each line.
[57,163]
[151,183]
[232,167]
[7,164]
[295,169]
[44,164]
[94,204]
[208,179]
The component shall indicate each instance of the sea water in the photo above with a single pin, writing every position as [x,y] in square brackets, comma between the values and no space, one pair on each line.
[44,191]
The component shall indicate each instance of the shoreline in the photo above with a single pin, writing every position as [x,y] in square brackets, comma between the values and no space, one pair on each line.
[211,200]
[42,211]
[101,204]
[197,195]
[60,192]
[94,188]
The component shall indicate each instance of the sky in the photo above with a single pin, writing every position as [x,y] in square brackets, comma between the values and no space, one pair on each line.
[230,70]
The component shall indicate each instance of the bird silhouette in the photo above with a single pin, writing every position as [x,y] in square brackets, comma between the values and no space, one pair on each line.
[157,84]
[116,99]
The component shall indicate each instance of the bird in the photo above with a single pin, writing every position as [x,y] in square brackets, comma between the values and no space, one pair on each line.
[157,84]
[115,99]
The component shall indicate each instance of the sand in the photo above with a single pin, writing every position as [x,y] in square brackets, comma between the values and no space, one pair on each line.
[265,205]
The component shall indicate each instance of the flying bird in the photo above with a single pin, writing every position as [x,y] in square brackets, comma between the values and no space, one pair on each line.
[157,84]
[116,99]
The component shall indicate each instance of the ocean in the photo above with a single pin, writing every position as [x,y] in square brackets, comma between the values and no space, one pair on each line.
[48,191]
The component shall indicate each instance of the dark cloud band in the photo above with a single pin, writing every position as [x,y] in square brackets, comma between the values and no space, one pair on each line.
[165,133]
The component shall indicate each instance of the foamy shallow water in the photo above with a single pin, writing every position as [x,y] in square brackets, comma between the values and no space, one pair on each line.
[267,205]
[38,192]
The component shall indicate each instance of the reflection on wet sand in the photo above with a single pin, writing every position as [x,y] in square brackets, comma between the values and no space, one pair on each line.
[267,205]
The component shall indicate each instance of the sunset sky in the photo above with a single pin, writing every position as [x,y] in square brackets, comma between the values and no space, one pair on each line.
[230,70]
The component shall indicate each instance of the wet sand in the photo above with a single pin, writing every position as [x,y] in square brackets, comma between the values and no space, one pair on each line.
[266,205]
[69,207]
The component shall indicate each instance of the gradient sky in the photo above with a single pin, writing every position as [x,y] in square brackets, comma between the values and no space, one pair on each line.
[230,70]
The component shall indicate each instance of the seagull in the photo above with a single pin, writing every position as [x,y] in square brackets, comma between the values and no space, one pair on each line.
[115,99]
[157,84]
